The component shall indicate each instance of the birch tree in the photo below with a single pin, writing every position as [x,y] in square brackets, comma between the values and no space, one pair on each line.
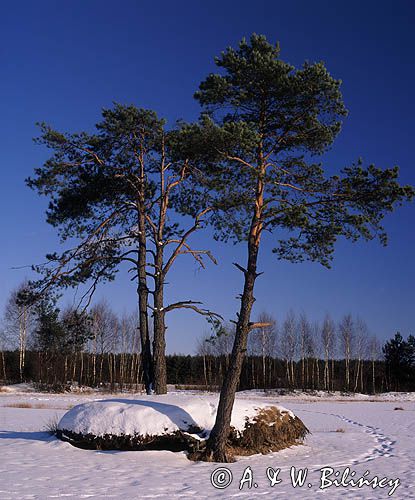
[289,345]
[263,341]
[375,354]
[347,338]
[19,321]
[361,345]
[328,340]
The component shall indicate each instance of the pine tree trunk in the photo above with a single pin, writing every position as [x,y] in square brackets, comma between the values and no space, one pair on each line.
[218,438]
[3,365]
[216,445]
[142,291]
[159,342]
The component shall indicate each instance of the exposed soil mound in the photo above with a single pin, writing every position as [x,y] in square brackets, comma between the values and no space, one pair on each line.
[272,429]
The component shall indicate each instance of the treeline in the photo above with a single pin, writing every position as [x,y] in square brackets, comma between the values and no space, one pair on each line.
[57,349]
[122,372]
[299,354]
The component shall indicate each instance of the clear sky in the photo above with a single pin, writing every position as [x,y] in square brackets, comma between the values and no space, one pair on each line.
[62,61]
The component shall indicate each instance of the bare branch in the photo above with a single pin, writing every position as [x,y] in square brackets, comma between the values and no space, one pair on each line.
[191,304]
[254,326]
[240,267]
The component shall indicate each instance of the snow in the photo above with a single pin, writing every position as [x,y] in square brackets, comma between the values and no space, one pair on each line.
[155,415]
[375,438]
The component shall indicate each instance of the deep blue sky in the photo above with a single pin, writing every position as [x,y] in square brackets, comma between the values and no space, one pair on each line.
[61,62]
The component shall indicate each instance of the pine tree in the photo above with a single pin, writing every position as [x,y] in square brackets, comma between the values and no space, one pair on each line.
[400,359]
[263,122]
[110,192]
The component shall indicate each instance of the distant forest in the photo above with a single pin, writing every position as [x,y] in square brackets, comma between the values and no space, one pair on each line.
[59,349]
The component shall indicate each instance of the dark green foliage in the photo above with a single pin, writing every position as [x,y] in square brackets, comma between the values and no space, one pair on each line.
[78,329]
[187,372]
[49,335]
[109,196]
[262,123]
[264,120]
[60,334]
[93,182]
[400,360]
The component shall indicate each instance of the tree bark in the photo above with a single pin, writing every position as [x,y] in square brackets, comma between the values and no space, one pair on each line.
[220,432]
[216,445]
[142,291]
[3,361]
[159,342]
[159,314]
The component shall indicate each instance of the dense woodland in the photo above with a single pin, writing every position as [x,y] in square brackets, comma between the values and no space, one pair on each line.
[60,350]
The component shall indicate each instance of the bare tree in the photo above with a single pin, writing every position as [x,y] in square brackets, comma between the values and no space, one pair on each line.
[222,344]
[360,351]
[19,322]
[262,341]
[375,353]
[3,346]
[304,341]
[103,326]
[347,336]
[288,344]
[312,349]
[204,348]
[327,340]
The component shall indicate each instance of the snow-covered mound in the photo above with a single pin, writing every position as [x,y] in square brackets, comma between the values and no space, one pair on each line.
[177,422]
[155,415]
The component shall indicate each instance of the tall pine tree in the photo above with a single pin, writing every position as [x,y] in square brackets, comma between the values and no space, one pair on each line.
[110,193]
[262,124]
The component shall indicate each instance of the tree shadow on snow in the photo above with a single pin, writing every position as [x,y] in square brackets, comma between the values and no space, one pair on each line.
[29,436]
